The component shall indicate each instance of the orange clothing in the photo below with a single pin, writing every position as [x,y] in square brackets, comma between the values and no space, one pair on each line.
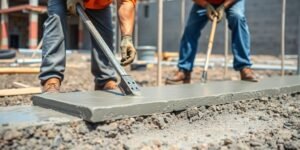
[99,4]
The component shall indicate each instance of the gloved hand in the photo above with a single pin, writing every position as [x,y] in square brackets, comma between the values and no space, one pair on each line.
[71,6]
[128,51]
[220,11]
[211,12]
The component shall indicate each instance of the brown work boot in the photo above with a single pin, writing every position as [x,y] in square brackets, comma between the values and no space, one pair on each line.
[180,76]
[109,85]
[248,75]
[52,85]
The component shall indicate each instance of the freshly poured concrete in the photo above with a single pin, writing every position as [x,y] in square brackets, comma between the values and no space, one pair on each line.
[98,106]
[23,116]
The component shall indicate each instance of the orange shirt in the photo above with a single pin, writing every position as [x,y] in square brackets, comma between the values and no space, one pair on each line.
[99,4]
[215,2]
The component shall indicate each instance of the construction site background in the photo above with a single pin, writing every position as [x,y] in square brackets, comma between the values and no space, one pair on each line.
[264,17]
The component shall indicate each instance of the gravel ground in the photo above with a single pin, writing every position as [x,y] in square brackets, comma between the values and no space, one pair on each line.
[265,123]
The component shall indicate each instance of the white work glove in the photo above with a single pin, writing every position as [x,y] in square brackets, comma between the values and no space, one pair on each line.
[71,6]
[220,11]
[128,51]
[211,12]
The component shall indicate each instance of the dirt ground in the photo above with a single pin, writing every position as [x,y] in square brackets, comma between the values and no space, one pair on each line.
[264,123]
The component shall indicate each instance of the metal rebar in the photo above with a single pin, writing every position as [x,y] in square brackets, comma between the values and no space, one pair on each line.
[116,26]
[298,70]
[283,36]
[159,41]
[226,49]
[182,18]
[136,26]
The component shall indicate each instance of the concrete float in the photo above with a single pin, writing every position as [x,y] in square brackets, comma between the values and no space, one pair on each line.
[97,106]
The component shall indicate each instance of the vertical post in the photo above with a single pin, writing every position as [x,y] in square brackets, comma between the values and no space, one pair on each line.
[4,26]
[118,31]
[182,18]
[159,41]
[119,36]
[226,49]
[80,34]
[136,27]
[283,36]
[33,26]
[298,71]
[116,26]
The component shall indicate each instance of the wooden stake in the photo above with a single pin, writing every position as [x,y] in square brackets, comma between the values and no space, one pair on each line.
[7,60]
[22,91]
[14,70]
[20,85]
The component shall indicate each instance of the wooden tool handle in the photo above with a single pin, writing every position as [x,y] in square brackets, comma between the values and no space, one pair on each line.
[210,42]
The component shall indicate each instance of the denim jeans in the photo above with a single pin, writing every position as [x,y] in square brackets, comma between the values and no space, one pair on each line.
[240,36]
[54,47]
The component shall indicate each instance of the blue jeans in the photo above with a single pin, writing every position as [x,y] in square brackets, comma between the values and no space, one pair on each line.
[54,37]
[240,36]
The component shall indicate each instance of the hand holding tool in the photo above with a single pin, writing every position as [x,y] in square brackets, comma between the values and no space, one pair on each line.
[220,11]
[71,6]
[127,85]
[210,11]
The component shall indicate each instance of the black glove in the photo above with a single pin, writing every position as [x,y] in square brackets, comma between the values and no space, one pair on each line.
[211,12]
[220,12]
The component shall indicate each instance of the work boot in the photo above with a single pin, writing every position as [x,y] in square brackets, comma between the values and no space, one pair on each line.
[180,76]
[52,85]
[109,85]
[248,75]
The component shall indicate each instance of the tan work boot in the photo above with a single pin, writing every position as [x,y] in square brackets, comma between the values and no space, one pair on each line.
[52,85]
[179,77]
[109,85]
[248,75]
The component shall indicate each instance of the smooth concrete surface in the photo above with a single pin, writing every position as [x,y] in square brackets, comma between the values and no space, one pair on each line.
[24,116]
[98,106]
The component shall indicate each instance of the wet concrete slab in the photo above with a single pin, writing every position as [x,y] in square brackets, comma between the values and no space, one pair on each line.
[25,116]
[96,106]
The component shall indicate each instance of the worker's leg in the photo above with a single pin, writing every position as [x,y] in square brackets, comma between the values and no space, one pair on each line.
[189,42]
[240,35]
[101,67]
[53,61]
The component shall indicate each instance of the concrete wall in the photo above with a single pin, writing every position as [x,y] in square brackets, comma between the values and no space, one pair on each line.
[264,18]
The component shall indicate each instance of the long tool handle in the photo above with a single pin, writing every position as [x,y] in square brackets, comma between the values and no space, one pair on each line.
[127,85]
[209,48]
[96,35]
[210,42]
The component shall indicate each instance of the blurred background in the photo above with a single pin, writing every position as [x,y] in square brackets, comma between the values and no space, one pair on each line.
[22,25]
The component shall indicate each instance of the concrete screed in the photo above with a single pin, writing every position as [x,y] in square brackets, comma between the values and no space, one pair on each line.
[96,106]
